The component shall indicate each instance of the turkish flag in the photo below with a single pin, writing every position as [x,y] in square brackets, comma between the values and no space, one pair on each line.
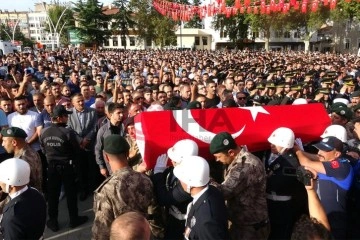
[250,126]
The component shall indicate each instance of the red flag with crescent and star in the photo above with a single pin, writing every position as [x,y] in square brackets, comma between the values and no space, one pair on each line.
[250,126]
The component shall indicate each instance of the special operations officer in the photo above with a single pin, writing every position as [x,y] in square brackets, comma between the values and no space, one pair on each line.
[59,145]
[243,188]
[124,191]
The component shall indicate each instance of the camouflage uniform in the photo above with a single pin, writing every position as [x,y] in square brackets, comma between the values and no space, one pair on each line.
[244,190]
[33,158]
[125,190]
[135,160]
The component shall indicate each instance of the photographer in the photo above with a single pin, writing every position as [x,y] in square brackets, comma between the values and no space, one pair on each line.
[335,178]
[317,225]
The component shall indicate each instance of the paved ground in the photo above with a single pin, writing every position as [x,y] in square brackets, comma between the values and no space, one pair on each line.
[82,232]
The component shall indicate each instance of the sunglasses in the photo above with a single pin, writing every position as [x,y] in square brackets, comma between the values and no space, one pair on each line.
[138,98]
[241,98]
[177,91]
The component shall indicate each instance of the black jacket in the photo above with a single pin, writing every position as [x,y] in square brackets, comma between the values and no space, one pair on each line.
[207,218]
[24,216]
[59,143]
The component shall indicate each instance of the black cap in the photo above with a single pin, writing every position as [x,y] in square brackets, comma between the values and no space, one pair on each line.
[60,111]
[329,143]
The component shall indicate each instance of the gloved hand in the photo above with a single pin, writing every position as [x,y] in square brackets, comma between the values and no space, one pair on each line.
[299,143]
[161,163]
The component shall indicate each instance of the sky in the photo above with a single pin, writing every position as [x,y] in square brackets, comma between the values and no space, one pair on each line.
[25,5]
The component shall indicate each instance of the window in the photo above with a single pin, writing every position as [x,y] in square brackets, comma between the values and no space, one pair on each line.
[255,35]
[223,33]
[278,34]
[107,43]
[148,42]
[347,43]
[287,34]
[32,31]
[296,35]
[132,41]
[205,41]
[115,41]
[197,41]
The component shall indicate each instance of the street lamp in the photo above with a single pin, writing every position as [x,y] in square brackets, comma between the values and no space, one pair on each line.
[13,30]
[53,31]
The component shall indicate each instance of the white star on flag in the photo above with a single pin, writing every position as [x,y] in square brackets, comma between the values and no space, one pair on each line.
[255,110]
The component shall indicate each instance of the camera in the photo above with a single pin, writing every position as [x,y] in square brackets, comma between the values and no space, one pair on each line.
[304,175]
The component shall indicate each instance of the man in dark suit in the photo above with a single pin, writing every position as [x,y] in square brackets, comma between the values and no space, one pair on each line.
[25,214]
[83,121]
[206,214]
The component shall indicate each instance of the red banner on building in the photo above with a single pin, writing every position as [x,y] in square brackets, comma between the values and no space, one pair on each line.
[250,126]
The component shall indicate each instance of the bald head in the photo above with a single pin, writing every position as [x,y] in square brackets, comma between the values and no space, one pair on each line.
[130,226]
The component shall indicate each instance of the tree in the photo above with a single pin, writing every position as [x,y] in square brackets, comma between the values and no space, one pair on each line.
[234,27]
[151,25]
[92,22]
[195,22]
[307,24]
[123,19]
[346,11]
[60,20]
[265,23]
[6,34]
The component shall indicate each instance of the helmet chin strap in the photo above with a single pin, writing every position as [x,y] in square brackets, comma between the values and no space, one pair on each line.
[7,188]
[188,189]
[282,151]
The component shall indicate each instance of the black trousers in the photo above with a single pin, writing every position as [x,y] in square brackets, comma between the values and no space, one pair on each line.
[88,171]
[59,173]
[44,165]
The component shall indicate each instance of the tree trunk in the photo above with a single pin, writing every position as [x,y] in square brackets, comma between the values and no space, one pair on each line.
[267,39]
[307,45]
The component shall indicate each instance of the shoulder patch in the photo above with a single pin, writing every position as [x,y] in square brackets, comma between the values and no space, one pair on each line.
[335,164]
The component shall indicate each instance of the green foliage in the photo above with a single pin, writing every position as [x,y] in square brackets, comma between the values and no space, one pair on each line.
[122,19]
[346,10]
[6,34]
[195,22]
[235,26]
[151,25]
[307,23]
[92,22]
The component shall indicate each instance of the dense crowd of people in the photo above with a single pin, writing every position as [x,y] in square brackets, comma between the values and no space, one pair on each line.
[69,114]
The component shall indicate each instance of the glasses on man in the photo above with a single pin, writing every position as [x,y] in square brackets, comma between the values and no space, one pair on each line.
[241,98]
[139,98]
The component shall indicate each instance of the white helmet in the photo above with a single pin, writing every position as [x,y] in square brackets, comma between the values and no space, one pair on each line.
[341,100]
[193,171]
[300,101]
[337,131]
[14,172]
[183,149]
[282,137]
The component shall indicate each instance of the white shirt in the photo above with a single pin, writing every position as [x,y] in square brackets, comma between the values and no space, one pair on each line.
[27,123]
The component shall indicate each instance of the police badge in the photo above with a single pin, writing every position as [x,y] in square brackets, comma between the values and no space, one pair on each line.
[193,222]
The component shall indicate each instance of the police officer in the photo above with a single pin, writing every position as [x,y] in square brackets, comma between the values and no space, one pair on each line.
[125,190]
[169,192]
[286,196]
[206,214]
[24,215]
[243,188]
[59,144]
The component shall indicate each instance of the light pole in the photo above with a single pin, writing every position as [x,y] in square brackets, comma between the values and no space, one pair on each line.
[53,31]
[13,30]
